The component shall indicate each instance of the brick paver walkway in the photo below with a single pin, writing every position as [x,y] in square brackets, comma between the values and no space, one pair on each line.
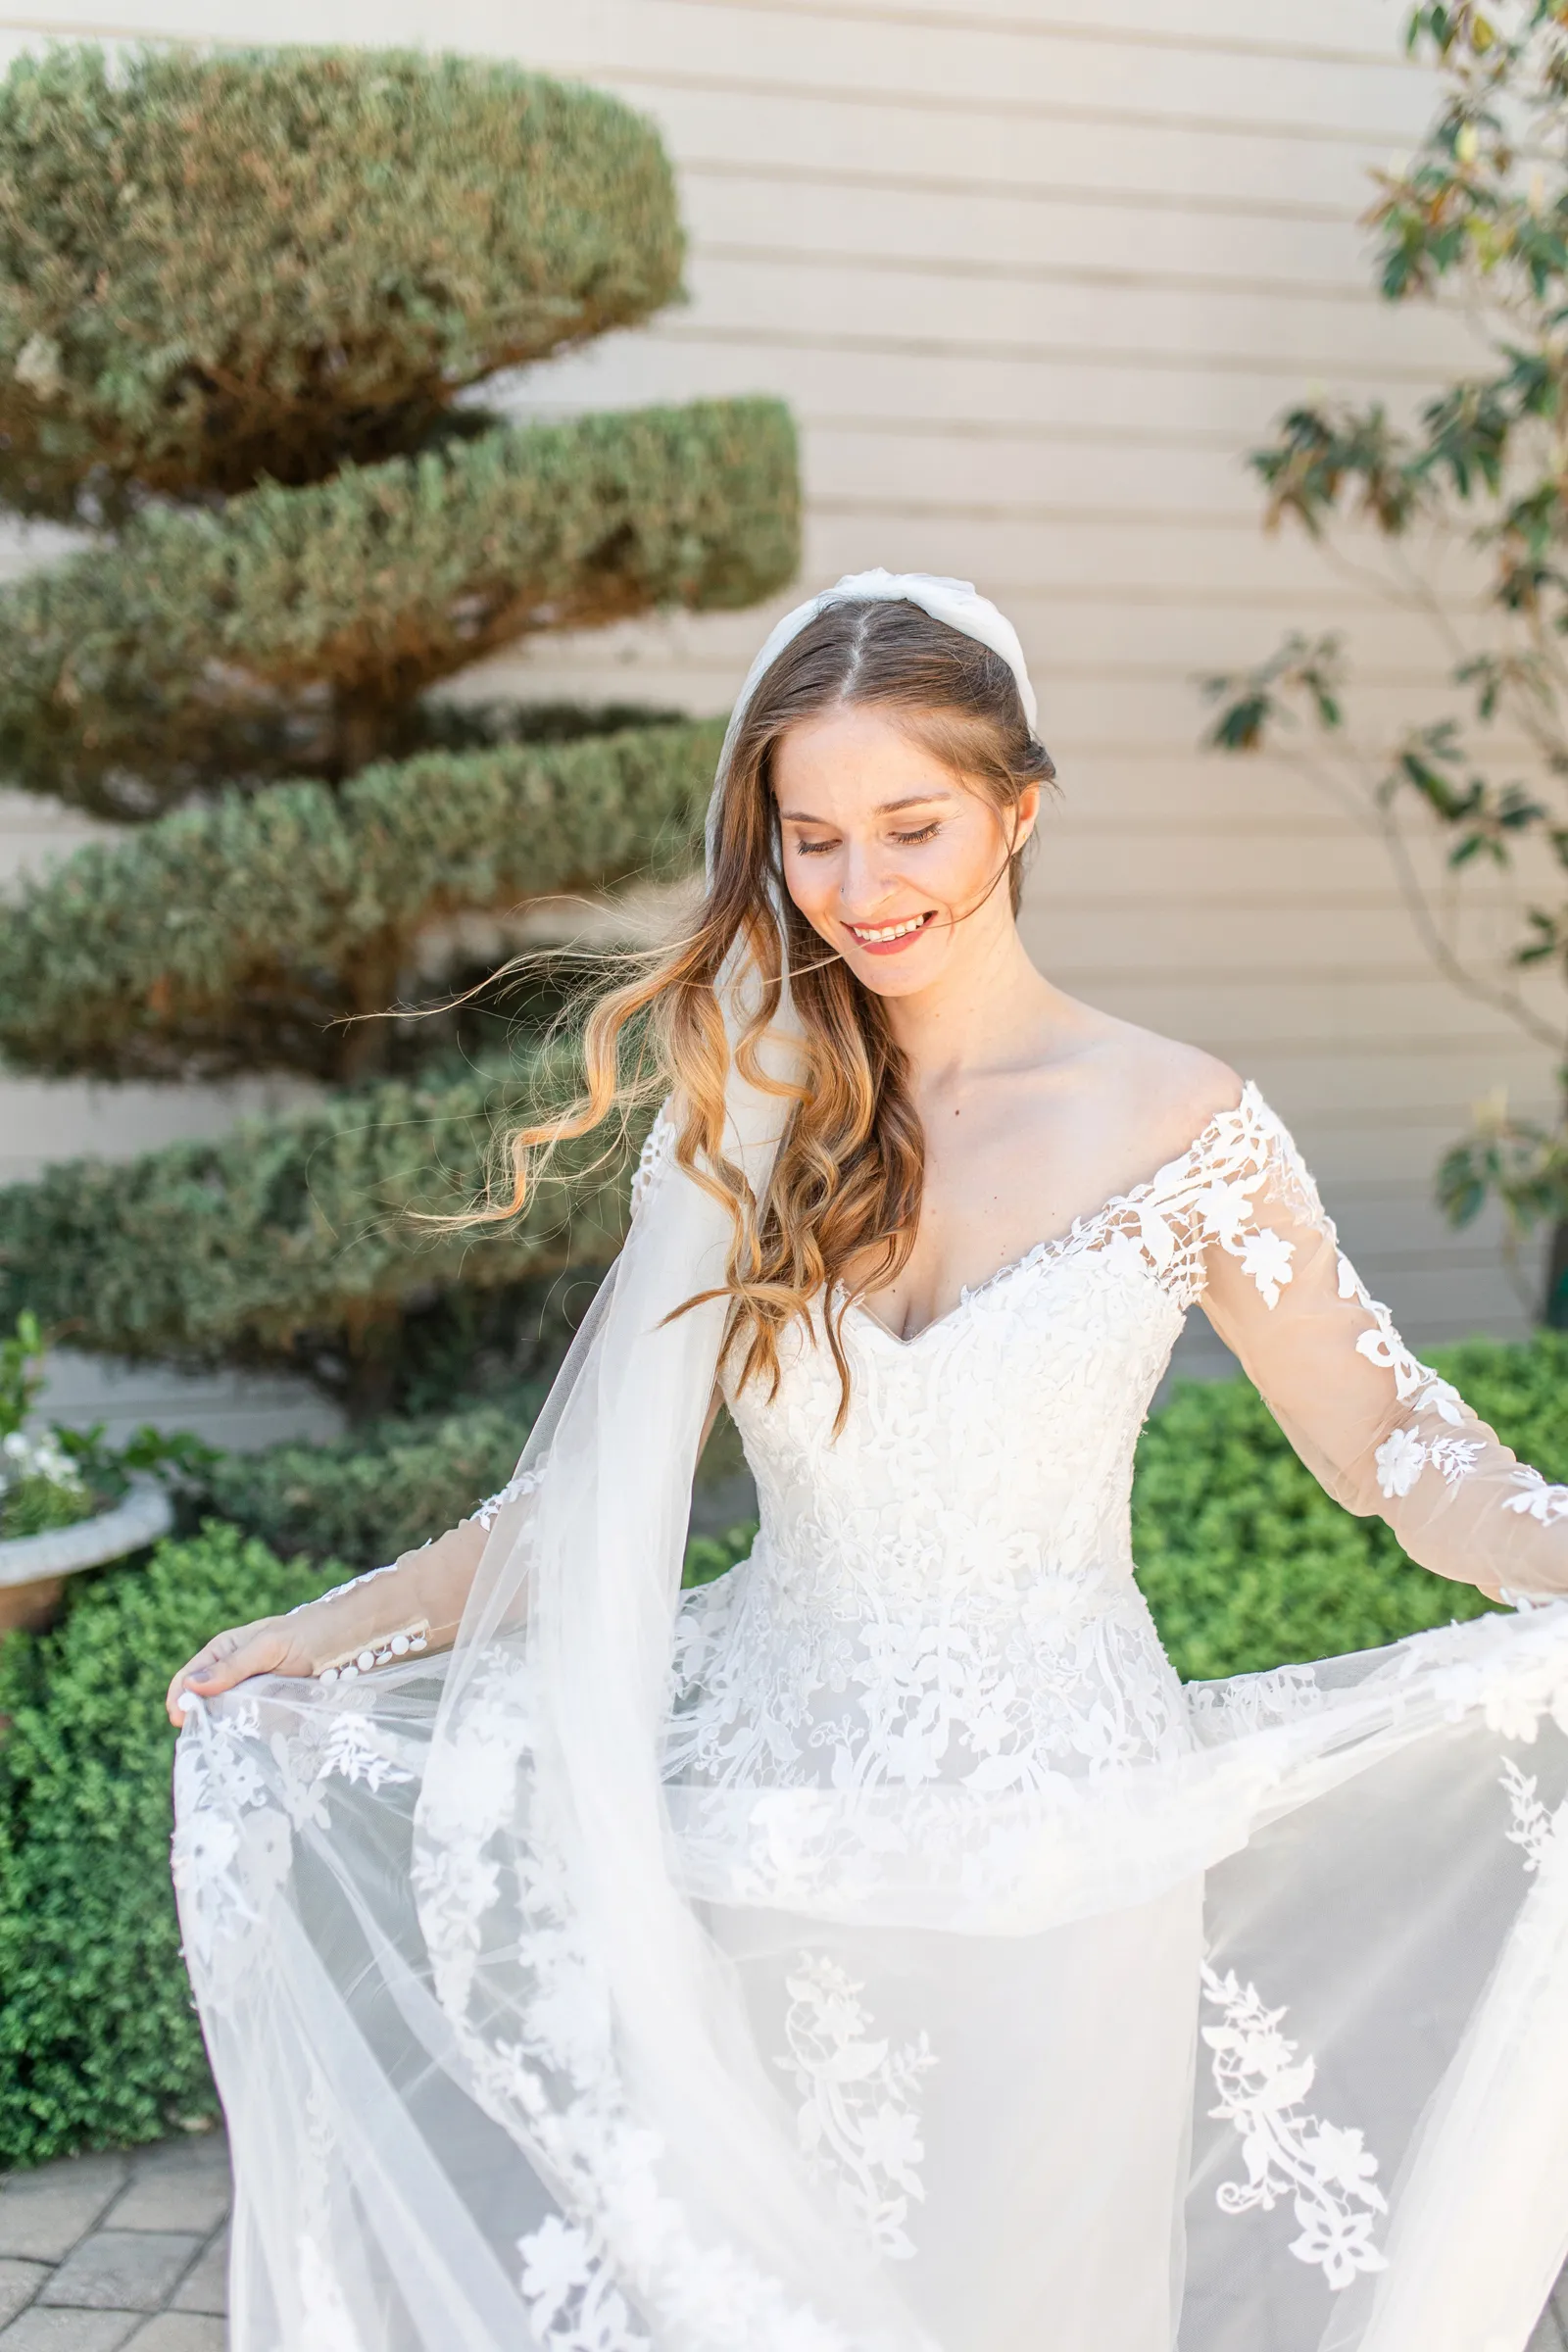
[125,2253]
[100,2253]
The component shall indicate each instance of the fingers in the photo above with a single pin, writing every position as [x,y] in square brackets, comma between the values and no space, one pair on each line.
[229,1658]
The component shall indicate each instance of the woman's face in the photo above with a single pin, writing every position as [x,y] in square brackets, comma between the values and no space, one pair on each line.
[893,858]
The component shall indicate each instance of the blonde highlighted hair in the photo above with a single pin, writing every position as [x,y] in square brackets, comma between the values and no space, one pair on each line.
[840,1210]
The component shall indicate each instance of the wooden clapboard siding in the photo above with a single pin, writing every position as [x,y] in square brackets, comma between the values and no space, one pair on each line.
[1034,275]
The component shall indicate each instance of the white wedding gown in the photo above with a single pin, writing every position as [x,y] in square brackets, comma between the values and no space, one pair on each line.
[1074,2011]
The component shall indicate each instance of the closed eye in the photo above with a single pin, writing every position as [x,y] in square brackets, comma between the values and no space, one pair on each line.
[925,833]
[814,848]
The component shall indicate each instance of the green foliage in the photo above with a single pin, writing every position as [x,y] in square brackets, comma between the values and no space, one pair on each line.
[215,267]
[292,1237]
[198,646]
[39,1503]
[244,302]
[21,1373]
[1478,216]
[380,1491]
[1246,1563]
[99,2045]
[708,1557]
[228,937]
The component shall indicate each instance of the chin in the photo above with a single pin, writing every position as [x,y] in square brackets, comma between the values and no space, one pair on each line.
[895,976]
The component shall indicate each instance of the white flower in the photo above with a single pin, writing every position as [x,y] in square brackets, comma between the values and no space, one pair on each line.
[1441,1397]
[1222,1211]
[1400,1460]
[556,2262]
[1456,1458]
[1341,2241]
[1267,1256]
[1536,1499]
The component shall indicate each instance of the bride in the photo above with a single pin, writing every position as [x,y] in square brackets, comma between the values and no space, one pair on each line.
[880,1949]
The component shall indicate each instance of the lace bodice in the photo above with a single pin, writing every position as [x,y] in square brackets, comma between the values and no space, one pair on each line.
[944,1593]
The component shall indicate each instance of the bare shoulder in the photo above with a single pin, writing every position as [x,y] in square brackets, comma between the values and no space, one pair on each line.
[1183,1087]
[1166,1092]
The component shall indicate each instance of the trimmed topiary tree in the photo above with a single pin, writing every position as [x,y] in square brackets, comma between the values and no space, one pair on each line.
[244,302]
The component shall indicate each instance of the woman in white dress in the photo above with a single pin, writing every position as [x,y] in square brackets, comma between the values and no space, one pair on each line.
[880,1949]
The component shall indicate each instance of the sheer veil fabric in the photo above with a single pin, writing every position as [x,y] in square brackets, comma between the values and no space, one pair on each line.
[880,1950]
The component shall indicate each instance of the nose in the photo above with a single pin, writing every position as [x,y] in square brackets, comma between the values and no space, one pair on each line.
[864,883]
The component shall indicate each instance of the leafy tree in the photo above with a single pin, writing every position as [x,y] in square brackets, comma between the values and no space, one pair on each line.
[1459,515]
[247,303]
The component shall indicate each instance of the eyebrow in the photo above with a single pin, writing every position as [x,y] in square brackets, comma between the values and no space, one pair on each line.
[914,799]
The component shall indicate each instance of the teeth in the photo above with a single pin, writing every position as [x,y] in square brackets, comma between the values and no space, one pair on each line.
[891,931]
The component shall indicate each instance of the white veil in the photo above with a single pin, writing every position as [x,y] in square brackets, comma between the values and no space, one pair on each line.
[560,1975]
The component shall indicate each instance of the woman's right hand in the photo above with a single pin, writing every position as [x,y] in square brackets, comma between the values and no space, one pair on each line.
[271,1646]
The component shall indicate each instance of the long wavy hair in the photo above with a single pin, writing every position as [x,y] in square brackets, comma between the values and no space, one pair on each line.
[840,1210]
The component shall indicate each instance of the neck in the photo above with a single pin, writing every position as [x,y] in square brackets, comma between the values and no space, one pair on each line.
[991,1008]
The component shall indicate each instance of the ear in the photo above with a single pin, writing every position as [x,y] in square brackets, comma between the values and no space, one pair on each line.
[1026,815]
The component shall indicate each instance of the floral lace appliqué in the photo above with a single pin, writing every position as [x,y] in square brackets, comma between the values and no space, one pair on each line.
[657,1155]
[1323,2168]
[1536,1499]
[1537,1829]
[572,2305]
[860,2116]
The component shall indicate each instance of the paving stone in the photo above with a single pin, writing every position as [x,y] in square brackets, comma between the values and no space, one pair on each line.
[41,2330]
[180,2331]
[20,2282]
[206,2287]
[182,2195]
[121,2270]
[42,2214]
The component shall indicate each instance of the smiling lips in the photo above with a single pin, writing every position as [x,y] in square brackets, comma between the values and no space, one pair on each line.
[886,939]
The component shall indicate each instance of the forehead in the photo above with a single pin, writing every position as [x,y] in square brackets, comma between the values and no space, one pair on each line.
[854,757]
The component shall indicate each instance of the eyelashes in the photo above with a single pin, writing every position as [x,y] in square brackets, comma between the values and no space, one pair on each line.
[906,841]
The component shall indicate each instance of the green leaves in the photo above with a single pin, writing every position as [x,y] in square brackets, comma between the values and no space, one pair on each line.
[1325,451]
[200,646]
[232,936]
[286,1240]
[99,2044]
[215,267]
[1302,678]
[22,1377]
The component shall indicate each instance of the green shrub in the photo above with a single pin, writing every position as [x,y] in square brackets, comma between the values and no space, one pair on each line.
[135,675]
[301,1224]
[1245,1562]
[218,267]
[228,937]
[380,1491]
[98,2042]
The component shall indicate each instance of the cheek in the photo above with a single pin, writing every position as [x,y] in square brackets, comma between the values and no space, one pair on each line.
[811,883]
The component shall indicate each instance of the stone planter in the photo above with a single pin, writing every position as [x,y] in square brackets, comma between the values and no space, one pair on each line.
[34,1568]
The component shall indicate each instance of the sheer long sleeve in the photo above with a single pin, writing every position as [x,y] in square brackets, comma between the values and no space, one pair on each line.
[414,1604]
[1380,1430]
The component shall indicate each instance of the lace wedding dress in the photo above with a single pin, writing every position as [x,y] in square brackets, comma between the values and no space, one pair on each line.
[1039,2001]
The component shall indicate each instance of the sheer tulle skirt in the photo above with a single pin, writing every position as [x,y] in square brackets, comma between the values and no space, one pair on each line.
[1307,2087]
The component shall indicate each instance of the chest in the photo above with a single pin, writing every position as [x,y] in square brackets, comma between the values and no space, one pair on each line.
[1000,1180]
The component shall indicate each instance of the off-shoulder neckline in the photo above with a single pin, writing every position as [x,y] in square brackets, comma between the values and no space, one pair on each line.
[1167,1175]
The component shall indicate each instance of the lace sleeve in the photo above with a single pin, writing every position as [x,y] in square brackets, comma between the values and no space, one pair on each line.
[1378,1430]
[413,1604]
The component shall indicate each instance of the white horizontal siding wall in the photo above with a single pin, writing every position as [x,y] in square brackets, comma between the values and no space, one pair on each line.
[1032,278]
